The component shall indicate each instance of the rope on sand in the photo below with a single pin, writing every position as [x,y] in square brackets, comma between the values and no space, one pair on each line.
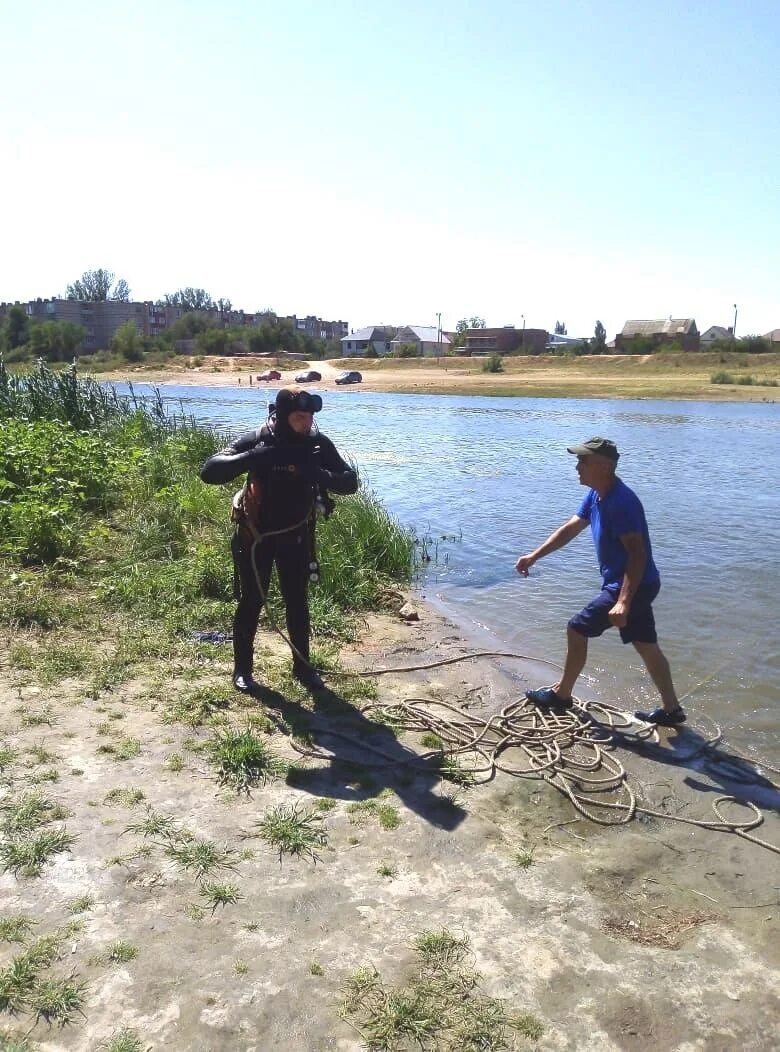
[572,750]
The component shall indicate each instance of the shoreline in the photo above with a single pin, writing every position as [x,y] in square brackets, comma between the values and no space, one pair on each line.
[665,377]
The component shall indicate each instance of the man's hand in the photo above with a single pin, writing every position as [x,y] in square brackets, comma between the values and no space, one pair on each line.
[524,564]
[618,615]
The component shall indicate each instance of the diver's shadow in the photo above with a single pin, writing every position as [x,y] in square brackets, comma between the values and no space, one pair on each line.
[685,747]
[355,744]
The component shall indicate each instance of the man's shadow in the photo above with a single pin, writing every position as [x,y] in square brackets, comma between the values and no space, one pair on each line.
[365,757]
[685,747]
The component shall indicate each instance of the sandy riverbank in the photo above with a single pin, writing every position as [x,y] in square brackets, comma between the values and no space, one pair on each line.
[653,934]
[665,376]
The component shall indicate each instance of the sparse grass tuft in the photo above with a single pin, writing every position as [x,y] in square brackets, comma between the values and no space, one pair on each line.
[315,968]
[81,904]
[220,895]
[120,797]
[243,760]
[200,857]
[199,707]
[154,823]
[28,855]
[294,831]
[28,812]
[124,1040]
[44,717]
[524,859]
[441,1007]
[15,929]
[120,952]
[7,757]
[174,762]
[386,869]
[240,967]
[386,814]
[58,1000]
[122,749]
[528,1025]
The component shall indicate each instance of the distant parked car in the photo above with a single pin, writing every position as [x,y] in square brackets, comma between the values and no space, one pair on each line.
[350,377]
[270,374]
[309,376]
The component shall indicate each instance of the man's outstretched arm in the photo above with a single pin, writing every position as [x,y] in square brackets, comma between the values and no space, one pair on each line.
[560,537]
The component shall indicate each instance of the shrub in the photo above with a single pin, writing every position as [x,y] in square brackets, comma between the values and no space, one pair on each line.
[493,364]
[721,377]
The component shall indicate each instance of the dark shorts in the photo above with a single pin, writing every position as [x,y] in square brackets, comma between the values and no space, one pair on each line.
[640,628]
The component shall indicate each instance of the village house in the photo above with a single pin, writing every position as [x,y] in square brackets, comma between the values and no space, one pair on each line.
[681,331]
[372,338]
[426,339]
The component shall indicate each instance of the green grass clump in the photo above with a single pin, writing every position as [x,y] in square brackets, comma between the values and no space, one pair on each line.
[243,760]
[441,1007]
[294,831]
[120,952]
[199,707]
[80,904]
[120,797]
[219,894]
[58,1001]
[27,812]
[15,929]
[124,1040]
[121,749]
[27,855]
[200,857]
[721,377]
[386,814]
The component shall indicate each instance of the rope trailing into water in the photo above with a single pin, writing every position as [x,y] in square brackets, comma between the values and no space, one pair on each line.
[573,751]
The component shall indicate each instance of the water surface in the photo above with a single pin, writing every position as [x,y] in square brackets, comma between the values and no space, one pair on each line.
[494,473]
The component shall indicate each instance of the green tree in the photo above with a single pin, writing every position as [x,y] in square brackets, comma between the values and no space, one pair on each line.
[560,328]
[599,338]
[17,326]
[190,299]
[54,340]
[213,341]
[96,285]
[128,342]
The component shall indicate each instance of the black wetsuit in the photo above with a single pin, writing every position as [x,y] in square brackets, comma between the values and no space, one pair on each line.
[290,469]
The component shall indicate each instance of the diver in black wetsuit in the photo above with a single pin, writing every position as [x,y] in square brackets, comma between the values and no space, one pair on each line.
[290,465]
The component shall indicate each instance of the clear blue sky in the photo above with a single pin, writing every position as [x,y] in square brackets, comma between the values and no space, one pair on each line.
[382,162]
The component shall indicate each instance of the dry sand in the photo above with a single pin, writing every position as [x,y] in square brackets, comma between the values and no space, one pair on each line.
[563,938]
[669,376]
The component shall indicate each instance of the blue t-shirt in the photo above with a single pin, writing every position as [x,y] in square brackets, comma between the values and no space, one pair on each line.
[619,512]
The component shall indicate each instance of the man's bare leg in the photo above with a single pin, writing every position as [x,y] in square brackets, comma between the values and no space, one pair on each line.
[660,673]
[576,656]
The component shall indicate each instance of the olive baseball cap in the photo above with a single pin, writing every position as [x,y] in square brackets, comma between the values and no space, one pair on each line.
[602,446]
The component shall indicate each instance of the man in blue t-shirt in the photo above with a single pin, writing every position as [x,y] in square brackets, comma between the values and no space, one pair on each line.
[630,580]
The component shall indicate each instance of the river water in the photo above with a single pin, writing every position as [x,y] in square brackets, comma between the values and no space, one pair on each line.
[486,479]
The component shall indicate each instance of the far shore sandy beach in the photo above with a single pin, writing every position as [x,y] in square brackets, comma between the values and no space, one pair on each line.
[659,376]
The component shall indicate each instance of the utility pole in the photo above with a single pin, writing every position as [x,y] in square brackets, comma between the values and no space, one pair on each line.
[438,337]
[522,338]
[734,330]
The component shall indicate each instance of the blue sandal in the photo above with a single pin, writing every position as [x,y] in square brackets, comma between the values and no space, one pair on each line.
[546,698]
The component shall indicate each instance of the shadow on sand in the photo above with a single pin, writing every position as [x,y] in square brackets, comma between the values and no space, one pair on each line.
[364,757]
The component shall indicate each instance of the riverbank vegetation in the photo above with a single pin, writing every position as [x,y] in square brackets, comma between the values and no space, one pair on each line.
[103,514]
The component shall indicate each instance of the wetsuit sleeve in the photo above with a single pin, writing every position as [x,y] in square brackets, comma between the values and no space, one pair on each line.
[335,474]
[240,456]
